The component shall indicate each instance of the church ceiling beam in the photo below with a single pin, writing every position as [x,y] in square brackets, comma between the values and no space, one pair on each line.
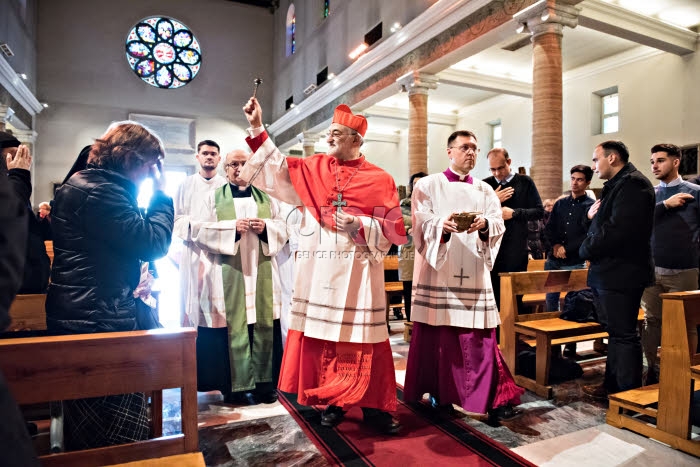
[473,80]
[402,114]
[620,22]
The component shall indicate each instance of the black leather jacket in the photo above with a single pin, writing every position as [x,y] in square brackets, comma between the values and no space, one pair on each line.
[100,238]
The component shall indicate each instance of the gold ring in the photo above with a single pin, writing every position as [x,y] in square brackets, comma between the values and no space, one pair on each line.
[249,224]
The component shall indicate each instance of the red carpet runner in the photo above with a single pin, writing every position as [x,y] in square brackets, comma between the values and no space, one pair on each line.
[426,438]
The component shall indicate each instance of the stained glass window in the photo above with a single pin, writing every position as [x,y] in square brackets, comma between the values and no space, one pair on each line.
[163,52]
[294,34]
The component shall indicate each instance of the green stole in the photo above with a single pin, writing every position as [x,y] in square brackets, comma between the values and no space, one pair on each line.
[248,366]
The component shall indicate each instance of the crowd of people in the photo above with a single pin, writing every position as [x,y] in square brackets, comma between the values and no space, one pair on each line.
[313,323]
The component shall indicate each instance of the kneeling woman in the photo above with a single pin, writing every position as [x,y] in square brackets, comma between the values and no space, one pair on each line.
[100,239]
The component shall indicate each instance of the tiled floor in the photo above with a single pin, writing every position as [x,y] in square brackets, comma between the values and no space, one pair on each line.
[568,430]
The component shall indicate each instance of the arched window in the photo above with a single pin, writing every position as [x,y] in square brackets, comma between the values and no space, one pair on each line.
[291,27]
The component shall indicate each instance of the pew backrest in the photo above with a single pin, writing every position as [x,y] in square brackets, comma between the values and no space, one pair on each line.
[28,313]
[42,369]
[531,282]
[679,352]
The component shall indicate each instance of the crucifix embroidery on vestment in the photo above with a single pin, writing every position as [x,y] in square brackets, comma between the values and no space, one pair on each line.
[461,276]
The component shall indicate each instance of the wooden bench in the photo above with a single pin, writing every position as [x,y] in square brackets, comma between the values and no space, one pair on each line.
[27,313]
[669,402]
[391,289]
[193,459]
[535,300]
[43,369]
[546,328]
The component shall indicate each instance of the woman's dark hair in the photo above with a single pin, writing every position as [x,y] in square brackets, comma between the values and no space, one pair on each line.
[414,177]
[126,146]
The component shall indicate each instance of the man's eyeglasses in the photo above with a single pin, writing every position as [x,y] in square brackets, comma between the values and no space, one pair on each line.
[235,164]
[465,148]
[335,134]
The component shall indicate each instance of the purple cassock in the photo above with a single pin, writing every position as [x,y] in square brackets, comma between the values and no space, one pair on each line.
[459,365]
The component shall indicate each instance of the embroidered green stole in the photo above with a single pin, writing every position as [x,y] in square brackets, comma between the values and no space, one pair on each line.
[251,362]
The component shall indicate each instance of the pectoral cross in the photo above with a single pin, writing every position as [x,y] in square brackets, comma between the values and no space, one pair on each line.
[461,276]
[338,204]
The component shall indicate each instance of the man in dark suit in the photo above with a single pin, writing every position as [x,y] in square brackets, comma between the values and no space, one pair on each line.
[16,448]
[520,203]
[618,246]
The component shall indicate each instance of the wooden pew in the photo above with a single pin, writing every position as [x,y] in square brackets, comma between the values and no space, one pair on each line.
[546,328]
[193,459]
[535,300]
[42,369]
[391,263]
[670,400]
[27,313]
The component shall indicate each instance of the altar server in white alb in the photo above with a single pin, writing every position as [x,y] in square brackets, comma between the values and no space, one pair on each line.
[189,206]
[337,352]
[239,342]
[454,355]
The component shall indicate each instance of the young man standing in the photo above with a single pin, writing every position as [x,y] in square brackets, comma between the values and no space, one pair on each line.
[674,243]
[567,227]
[618,246]
[189,206]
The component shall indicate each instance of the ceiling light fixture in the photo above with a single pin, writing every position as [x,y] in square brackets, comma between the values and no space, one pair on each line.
[359,50]
[395,27]
[5,48]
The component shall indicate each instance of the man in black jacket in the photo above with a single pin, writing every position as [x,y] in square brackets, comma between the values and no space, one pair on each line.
[16,448]
[618,246]
[17,162]
[520,203]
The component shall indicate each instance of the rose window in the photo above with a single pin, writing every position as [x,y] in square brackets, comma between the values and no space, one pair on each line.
[163,52]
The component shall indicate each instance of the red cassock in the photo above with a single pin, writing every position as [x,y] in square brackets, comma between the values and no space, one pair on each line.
[334,368]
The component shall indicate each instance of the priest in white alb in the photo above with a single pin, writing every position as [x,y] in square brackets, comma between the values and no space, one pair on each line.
[454,355]
[239,341]
[189,206]
[337,352]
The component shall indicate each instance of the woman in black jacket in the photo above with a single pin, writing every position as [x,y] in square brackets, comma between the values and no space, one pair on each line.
[100,239]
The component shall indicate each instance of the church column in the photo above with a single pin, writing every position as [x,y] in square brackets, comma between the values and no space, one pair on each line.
[308,142]
[6,114]
[417,84]
[546,20]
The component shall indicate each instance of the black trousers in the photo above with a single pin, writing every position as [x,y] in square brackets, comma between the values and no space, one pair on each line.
[617,312]
[213,364]
[407,287]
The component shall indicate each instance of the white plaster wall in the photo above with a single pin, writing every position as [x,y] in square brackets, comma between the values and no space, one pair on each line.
[328,42]
[17,29]
[659,102]
[393,157]
[515,114]
[84,75]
